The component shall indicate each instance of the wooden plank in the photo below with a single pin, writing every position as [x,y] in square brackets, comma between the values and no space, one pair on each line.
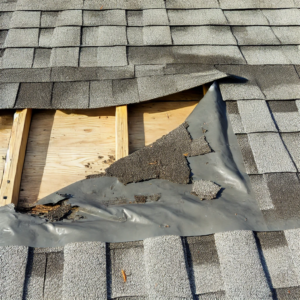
[205,89]
[65,146]
[122,139]
[149,121]
[15,157]
[6,122]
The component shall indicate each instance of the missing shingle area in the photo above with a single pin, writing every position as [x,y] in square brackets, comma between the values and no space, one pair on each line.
[164,159]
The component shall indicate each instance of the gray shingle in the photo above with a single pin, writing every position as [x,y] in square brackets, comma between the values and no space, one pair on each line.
[185,54]
[292,53]
[70,95]
[246,17]
[261,192]
[264,55]
[13,261]
[25,75]
[121,4]
[236,123]
[157,35]
[35,274]
[287,122]
[3,34]
[45,39]
[8,94]
[64,57]
[212,296]
[287,34]
[256,116]
[255,35]
[25,19]
[279,17]
[203,35]
[197,17]
[283,106]
[270,154]
[18,58]
[49,5]
[5,18]
[135,18]
[292,142]
[229,4]
[149,70]
[164,255]
[66,36]
[104,36]
[7,6]
[54,276]
[34,95]
[69,17]
[248,158]
[192,4]
[103,56]
[277,257]
[135,36]
[125,91]
[48,19]
[205,190]
[101,94]
[298,105]
[85,271]
[293,237]
[42,58]
[22,38]
[155,17]
[242,272]
[104,17]
[128,257]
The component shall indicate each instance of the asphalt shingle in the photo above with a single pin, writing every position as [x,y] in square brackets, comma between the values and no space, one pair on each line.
[25,75]
[287,122]
[155,17]
[48,19]
[45,39]
[256,116]
[42,58]
[197,17]
[292,142]
[135,36]
[17,58]
[25,19]
[22,38]
[8,94]
[117,4]
[53,5]
[104,17]
[246,17]
[125,91]
[67,36]
[69,17]
[242,272]
[157,35]
[202,35]
[287,34]
[70,95]
[192,4]
[293,236]
[84,271]
[270,154]
[164,255]
[280,17]
[101,93]
[5,18]
[234,117]
[104,36]
[229,4]
[64,57]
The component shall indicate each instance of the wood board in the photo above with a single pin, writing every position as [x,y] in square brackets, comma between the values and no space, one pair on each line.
[64,147]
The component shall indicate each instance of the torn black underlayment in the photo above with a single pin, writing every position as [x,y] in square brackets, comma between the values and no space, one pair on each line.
[175,210]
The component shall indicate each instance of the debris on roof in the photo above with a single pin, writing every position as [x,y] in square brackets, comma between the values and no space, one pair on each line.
[206,190]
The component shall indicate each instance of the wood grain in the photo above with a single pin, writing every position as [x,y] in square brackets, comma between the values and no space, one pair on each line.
[15,157]
[64,147]
[149,121]
[122,143]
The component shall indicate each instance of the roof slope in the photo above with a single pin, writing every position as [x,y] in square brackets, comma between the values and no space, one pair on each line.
[230,265]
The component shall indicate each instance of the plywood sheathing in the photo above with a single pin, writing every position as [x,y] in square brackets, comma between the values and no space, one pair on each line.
[64,147]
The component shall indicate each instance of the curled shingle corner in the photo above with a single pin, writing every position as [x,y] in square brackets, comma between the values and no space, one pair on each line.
[205,190]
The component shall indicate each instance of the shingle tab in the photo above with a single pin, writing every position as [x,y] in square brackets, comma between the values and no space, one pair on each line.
[255,35]
[292,142]
[45,39]
[246,17]
[13,260]
[293,237]
[101,94]
[104,17]
[104,36]
[287,34]
[48,19]
[8,94]
[25,75]
[203,35]
[287,122]
[22,38]
[229,4]
[256,116]
[197,17]
[121,4]
[242,272]
[135,18]
[34,95]
[125,91]
[270,153]
[64,57]
[192,4]
[69,17]
[25,19]
[135,36]
[18,58]
[164,255]
[49,5]
[155,17]
[70,95]
[66,36]
[42,58]
[5,18]
[279,17]
[157,35]
[85,271]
